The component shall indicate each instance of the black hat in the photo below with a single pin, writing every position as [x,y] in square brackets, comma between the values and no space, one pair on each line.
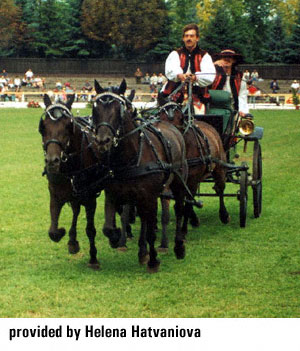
[229,53]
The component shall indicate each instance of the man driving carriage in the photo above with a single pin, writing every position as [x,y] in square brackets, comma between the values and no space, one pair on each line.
[188,63]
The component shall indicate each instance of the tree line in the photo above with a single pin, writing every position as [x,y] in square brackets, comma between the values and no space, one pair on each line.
[265,31]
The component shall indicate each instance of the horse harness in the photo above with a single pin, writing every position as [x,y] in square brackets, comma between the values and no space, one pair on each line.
[96,177]
[202,142]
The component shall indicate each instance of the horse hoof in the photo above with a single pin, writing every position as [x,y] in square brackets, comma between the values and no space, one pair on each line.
[179,252]
[94,266]
[144,260]
[163,249]
[153,268]
[122,248]
[73,247]
[225,218]
[113,235]
[195,223]
[58,235]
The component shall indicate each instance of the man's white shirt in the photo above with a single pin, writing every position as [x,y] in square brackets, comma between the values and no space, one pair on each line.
[203,78]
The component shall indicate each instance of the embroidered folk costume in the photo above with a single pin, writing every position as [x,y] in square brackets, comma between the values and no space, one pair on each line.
[197,62]
[231,80]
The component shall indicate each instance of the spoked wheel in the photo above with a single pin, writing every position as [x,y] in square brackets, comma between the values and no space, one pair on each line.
[243,196]
[257,179]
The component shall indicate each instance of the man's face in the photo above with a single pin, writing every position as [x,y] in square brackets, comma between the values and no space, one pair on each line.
[190,39]
[229,61]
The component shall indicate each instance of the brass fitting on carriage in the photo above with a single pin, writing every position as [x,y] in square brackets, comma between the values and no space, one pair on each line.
[246,127]
[246,124]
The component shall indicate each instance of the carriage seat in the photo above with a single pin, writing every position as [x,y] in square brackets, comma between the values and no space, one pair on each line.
[221,105]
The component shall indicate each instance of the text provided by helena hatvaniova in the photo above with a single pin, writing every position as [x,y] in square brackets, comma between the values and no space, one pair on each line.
[92,331]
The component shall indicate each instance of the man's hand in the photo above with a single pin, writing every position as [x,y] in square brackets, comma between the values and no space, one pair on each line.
[186,76]
[225,63]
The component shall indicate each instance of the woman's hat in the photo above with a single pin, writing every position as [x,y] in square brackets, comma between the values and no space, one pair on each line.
[229,53]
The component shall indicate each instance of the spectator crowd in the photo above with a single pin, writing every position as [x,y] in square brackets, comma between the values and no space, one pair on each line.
[15,84]
[11,88]
[155,81]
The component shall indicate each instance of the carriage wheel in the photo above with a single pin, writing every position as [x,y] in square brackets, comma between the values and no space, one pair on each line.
[243,196]
[257,179]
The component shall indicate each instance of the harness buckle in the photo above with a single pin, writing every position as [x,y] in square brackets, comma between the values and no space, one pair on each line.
[115,141]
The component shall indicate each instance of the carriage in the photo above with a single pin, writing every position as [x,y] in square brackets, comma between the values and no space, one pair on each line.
[234,130]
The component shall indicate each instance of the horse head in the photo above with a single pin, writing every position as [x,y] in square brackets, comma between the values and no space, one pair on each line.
[110,110]
[56,129]
[171,112]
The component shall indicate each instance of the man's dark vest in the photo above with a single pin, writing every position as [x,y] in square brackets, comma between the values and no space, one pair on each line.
[235,83]
[192,59]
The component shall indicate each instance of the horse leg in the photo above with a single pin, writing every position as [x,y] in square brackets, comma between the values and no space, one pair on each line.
[188,212]
[132,214]
[179,248]
[90,209]
[143,254]
[186,215]
[165,219]
[109,227]
[219,187]
[130,220]
[73,244]
[148,214]
[55,233]
[153,263]
[194,220]
[125,223]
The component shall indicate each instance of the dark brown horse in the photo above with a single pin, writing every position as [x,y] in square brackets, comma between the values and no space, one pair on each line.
[66,151]
[142,159]
[203,150]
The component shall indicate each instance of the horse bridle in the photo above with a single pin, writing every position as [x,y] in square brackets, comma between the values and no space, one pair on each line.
[56,112]
[107,98]
[169,109]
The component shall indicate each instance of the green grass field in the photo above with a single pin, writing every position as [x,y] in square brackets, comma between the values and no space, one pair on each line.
[227,272]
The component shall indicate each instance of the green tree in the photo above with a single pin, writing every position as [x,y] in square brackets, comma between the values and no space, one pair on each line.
[76,44]
[257,15]
[276,47]
[287,10]
[53,28]
[181,12]
[11,28]
[293,43]
[222,33]
[131,27]
[207,9]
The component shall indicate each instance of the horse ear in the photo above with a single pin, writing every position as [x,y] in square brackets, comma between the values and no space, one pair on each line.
[98,87]
[41,127]
[70,101]
[131,96]
[47,100]
[122,87]
[161,100]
